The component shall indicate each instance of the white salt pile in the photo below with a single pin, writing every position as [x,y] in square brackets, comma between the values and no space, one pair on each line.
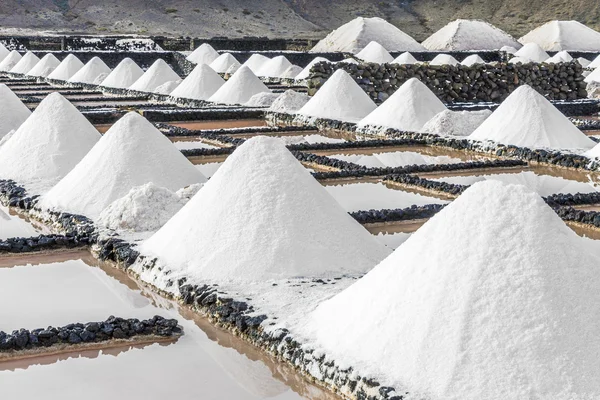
[356,34]
[90,72]
[221,235]
[255,62]
[594,152]
[292,72]
[200,84]
[595,63]
[45,66]
[375,53]
[594,76]
[472,59]
[444,59]
[584,62]
[340,98]
[532,52]
[306,71]
[528,119]
[289,102]
[274,67]
[224,62]
[564,35]
[124,75]
[405,58]
[464,34]
[167,87]
[10,61]
[561,56]
[522,60]
[67,68]
[455,123]
[509,49]
[485,314]
[48,144]
[12,111]
[204,54]
[131,153]
[262,99]
[239,88]
[408,109]
[25,64]
[159,72]
[3,52]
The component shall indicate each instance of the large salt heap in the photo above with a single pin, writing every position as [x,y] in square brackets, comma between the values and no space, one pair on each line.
[10,61]
[356,34]
[339,98]
[528,119]
[255,62]
[494,298]
[261,216]
[25,64]
[465,34]
[532,52]
[375,53]
[12,111]
[564,35]
[200,84]
[224,62]
[93,72]
[158,74]
[204,54]
[306,71]
[130,154]
[45,66]
[408,109]
[67,68]
[239,88]
[124,75]
[48,144]
[274,68]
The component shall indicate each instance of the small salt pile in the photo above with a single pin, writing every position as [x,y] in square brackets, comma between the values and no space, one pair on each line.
[594,76]
[289,102]
[124,75]
[67,68]
[306,71]
[509,49]
[444,59]
[48,144]
[584,62]
[594,152]
[10,61]
[204,54]
[405,58]
[3,52]
[408,109]
[45,66]
[455,123]
[167,87]
[239,88]
[375,53]
[356,34]
[472,59]
[261,216]
[25,64]
[12,111]
[561,56]
[262,99]
[224,62]
[528,119]
[463,34]
[532,52]
[91,71]
[494,298]
[292,72]
[274,67]
[200,84]
[255,62]
[564,35]
[595,63]
[517,60]
[340,98]
[159,73]
[131,153]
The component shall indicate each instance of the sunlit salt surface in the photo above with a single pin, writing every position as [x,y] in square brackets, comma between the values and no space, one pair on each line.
[209,169]
[376,196]
[193,144]
[12,226]
[393,240]
[395,159]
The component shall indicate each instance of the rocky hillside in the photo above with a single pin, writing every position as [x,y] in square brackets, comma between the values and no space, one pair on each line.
[278,18]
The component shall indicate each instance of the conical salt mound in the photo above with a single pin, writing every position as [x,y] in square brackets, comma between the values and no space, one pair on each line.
[408,109]
[48,144]
[533,52]
[564,35]
[509,49]
[504,306]
[444,59]
[224,62]
[255,62]
[375,53]
[465,34]
[67,68]
[262,216]
[405,58]
[595,63]
[239,88]
[158,74]
[91,72]
[291,72]
[202,83]
[305,73]
[354,36]
[472,59]
[205,54]
[340,98]
[12,111]
[274,68]
[594,76]
[528,119]
[45,66]
[124,75]
[3,52]
[584,62]
[131,153]
[25,64]
[561,56]
[10,61]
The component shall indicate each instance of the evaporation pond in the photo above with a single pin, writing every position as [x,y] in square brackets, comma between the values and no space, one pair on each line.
[395,159]
[13,226]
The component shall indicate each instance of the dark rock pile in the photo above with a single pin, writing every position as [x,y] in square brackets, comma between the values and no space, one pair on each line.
[427,184]
[400,214]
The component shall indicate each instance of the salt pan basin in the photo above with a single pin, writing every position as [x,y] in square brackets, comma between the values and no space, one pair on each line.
[12,226]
